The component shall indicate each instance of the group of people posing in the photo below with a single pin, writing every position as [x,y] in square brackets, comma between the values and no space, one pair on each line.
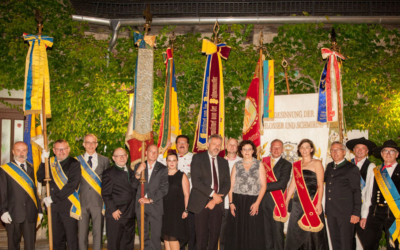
[204,200]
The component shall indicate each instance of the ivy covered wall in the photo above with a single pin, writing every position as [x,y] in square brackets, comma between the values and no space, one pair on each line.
[88,97]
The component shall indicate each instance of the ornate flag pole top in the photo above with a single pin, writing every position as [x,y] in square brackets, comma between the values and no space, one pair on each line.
[285,66]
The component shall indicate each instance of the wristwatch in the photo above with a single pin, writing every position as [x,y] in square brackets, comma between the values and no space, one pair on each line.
[137,174]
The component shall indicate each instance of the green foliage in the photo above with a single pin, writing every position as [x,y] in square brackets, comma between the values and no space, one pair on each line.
[89,97]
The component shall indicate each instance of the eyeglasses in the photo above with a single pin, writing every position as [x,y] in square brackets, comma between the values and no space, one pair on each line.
[61,149]
[336,150]
[91,142]
[120,156]
[247,149]
[391,152]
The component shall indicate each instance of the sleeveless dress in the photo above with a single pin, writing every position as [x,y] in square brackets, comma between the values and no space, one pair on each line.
[245,232]
[173,226]
[297,238]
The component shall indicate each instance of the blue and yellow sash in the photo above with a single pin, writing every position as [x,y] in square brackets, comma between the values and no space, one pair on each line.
[22,178]
[61,180]
[392,197]
[91,177]
[362,181]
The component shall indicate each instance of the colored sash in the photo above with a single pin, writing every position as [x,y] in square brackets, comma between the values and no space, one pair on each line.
[330,88]
[362,181]
[392,197]
[280,211]
[310,221]
[23,179]
[91,178]
[211,118]
[61,180]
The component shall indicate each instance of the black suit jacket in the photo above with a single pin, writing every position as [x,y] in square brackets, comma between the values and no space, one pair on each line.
[118,192]
[342,190]
[16,201]
[201,174]
[156,189]
[282,171]
[72,169]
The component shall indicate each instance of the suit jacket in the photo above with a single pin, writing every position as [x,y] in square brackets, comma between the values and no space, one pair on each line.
[282,171]
[15,200]
[89,197]
[72,169]
[156,189]
[118,191]
[342,190]
[202,178]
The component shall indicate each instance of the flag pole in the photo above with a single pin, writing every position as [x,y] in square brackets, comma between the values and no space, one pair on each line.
[285,65]
[261,89]
[340,115]
[148,16]
[47,178]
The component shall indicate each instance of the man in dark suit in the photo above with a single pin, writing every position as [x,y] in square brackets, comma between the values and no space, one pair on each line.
[274,229]
[377,214]
[118,192]
[65,227]
[342,198]
[211,183]
[91,201]
[17,208]
[155,188]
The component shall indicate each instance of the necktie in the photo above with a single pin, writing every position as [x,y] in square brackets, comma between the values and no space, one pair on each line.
[90,161]
[23,167]
[273,163]
[386,166]
[215,176]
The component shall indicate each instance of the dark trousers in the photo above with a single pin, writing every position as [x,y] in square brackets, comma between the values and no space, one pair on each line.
[152,230]
[65,231]
[341,232]
[273,230]
[120,234]
[379,218]
[208,228]
[192,233]
[223,229]
[14,231]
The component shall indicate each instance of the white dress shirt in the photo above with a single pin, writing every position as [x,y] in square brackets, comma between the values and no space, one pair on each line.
[95,160]
[150,169]
[359,165]
[211,169]
[19,164]
[369,186]
[231,163]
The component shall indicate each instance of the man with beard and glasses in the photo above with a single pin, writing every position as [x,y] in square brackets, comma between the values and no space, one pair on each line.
[19,201]
[184,165]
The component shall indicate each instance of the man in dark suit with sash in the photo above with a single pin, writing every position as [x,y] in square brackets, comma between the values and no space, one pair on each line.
[342,198]
[155,188]
[118,192]
[93,165]
[381,203]
[274,236]
[19,201]
[210,184]
[65,174]
[361,148]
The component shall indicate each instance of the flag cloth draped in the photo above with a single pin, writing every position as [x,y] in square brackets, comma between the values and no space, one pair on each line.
[330,88]
[37,74]
[269,89]
[169,125]
[140,119]
[211,119]
[33,137]
[252,125]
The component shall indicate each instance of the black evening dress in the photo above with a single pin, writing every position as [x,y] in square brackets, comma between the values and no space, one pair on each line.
[245,232]
[173,226]
[297,238]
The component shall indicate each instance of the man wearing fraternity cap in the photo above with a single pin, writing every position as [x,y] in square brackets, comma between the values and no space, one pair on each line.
[361,148]
[382,199]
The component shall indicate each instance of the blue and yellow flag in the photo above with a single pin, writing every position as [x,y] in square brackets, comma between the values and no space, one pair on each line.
[34,139]
[37,75]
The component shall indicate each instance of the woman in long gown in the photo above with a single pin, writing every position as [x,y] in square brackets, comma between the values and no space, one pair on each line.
[174,223]
[313,174]
[245,226]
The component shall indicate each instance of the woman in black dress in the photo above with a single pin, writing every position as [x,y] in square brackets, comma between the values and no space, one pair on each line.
[174,223]
[313,174]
